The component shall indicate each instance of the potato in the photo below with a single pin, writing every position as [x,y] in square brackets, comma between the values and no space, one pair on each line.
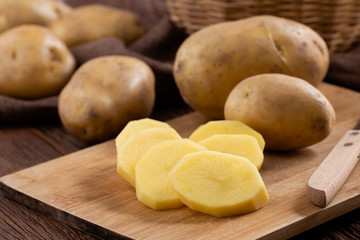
[95,21]
[288,112]
[40,12]
[153,184]
[225,127]
[242,145]
[135,126]
[104,94]
[34,63]
[210,62]
[218,184]
[129,154]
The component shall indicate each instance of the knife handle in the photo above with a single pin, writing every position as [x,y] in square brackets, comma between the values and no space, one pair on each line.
[329,177]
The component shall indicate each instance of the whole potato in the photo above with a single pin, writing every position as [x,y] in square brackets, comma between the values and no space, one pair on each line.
[104,94]
[95,21]
[210,62]
[287,111]
[41,12]
[34,63]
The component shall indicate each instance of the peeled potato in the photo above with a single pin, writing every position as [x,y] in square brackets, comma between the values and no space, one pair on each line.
[238,144]
[225,127]
[135,126]
[129,154]
[153,185]
[219,184]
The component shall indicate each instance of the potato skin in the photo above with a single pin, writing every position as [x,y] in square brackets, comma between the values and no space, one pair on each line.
[104,94]
[288,112]
[34,63]
[41,12]
[212,61]
[95,21]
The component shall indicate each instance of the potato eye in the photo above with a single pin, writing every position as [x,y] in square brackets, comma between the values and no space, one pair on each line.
[55,55]
[13,54]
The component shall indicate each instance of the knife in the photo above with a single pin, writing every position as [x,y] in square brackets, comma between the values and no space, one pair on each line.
[329,177]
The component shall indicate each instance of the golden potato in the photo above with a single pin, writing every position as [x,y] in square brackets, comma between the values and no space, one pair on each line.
[210,62]
[211,128]
[219,184]
[41,12]
[288,112]
[34,63]
[104,94]
[95,21]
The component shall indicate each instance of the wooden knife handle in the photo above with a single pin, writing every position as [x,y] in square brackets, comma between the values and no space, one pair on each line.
[329,177]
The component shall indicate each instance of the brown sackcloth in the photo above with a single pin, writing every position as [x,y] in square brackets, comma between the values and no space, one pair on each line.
[157,48]
[344,69]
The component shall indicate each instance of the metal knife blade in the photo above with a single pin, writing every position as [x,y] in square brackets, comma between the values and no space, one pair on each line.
[330,176]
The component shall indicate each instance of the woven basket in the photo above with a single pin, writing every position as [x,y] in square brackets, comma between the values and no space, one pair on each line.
[337,21]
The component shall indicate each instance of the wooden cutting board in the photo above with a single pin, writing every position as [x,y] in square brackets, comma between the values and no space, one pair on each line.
[83,190]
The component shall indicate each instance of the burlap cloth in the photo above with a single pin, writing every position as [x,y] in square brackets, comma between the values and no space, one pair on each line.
[157,48]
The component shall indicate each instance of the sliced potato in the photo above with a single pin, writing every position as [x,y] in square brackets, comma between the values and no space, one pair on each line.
[225,127]
[135,126]
[238,144]
[136,146]
[153,186]
[219,184]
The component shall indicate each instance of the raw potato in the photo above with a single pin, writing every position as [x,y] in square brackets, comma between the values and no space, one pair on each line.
[153,185]
[135,126]
[104,94]
[238,144]
[288,112]
[34,63]
[219,184]
[40,12]
[129,154]
[212,61]
[225,127]
[95,21]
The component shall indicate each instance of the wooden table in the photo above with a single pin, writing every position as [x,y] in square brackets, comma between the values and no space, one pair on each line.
[22,146]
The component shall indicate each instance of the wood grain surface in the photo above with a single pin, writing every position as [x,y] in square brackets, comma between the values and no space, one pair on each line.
[83,190]
[26,145]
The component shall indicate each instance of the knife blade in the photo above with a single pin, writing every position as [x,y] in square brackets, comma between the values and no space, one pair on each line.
[332,173]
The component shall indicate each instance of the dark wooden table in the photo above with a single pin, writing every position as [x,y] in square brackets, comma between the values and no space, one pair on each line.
[25,145]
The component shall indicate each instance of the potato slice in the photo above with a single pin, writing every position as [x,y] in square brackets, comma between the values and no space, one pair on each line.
[135,126]
[153,186]
[238,144]
[225,127]
[136,146]
[219,184]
